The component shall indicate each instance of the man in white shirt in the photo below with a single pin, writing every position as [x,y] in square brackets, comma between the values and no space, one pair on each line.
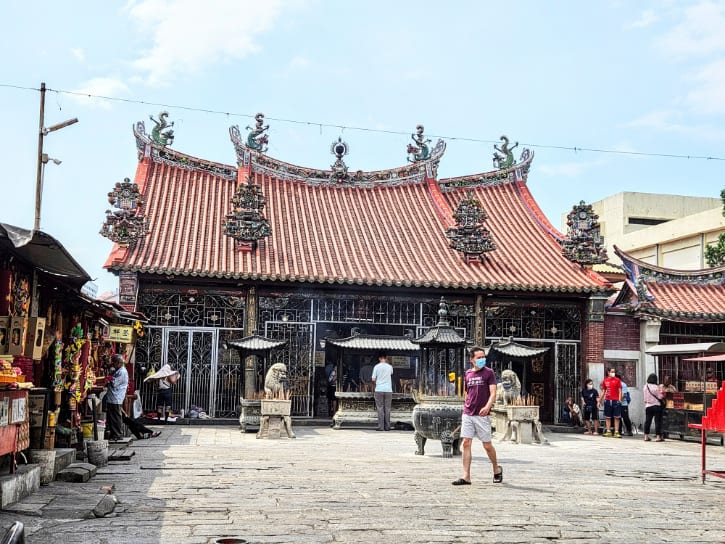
[382,378]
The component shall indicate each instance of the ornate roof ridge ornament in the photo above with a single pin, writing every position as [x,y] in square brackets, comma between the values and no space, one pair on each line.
[503,157]
[518,171]
[339,168]
[257,139]
[470,236]
[246,224]
[162,133]
[420,151]
[125,225]
[583,243]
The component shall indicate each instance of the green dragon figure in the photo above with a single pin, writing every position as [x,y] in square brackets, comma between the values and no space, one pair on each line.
[506,160]
[257,139]
[420,150]
[162,133]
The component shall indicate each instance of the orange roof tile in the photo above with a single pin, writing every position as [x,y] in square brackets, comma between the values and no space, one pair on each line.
[377,234]
[676,295]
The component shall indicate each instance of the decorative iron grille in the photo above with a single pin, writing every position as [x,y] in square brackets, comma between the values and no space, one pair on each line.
[209,376]
[192,309]
[567,375]
[533,322]
[461,316]
[366,310]
[297,357]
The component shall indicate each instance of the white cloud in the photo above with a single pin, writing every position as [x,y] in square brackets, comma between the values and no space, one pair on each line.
[99,87]
[708,97]
[189,34]
[700,33]
[646,18]
[78,53]
[659,120]
[670,121]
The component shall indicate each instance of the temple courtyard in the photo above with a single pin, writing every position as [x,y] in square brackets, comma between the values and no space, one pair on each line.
[206,484]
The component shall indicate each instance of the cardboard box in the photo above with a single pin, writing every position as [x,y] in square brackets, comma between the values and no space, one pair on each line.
[4,334]
[35,336]
[17,336]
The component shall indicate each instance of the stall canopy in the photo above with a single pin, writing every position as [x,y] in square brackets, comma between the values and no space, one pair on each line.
[683,349]
[43,252]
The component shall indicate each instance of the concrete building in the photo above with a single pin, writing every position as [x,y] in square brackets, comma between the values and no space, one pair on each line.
[664,230]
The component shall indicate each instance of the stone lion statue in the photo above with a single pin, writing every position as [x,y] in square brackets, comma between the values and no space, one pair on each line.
[275,382]
[509,389]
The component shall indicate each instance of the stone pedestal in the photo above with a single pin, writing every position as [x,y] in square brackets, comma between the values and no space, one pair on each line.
[359,410]
[249,414]
[438,418]
[519,424]
[274,417]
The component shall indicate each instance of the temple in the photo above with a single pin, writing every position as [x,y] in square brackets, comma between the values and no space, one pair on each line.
[214,252]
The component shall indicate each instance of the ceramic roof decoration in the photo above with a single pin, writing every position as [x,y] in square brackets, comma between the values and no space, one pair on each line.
[675,295]
[343,225]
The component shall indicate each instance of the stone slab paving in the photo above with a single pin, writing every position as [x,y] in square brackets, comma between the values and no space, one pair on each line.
[197,484]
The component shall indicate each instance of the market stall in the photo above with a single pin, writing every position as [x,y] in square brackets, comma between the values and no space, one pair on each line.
[690,375]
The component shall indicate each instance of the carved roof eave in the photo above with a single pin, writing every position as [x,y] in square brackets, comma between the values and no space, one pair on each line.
[411,174]
[516,172]
[147,148]
[633,268]
[327,280]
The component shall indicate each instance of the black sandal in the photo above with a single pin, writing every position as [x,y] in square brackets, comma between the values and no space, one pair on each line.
[498,476]
[461,481]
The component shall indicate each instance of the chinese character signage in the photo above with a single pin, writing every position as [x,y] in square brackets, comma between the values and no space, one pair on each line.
[120,333]
[127,289]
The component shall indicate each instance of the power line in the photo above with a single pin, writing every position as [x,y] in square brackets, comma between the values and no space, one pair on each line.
[575,149]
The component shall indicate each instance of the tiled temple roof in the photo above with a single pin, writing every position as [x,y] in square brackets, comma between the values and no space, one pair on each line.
[675,295]
[390,232]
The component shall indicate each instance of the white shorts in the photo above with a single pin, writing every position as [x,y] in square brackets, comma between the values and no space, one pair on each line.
[476,427]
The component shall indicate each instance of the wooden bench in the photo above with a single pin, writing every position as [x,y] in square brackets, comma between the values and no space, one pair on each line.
[713,421]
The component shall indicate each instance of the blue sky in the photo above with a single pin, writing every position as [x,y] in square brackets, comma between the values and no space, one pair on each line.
[645,77]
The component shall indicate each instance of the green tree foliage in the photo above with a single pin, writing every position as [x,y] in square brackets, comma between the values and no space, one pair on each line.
[715,253]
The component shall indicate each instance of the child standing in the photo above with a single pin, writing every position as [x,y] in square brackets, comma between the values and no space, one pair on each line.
[590,401]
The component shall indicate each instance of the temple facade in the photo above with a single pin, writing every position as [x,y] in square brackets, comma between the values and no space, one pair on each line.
[213,252]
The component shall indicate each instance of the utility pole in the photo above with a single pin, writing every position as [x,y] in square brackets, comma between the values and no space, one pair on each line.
[39,176]
[42,157]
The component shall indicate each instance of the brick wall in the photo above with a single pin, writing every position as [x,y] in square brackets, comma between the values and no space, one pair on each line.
[593,342]
[621,332]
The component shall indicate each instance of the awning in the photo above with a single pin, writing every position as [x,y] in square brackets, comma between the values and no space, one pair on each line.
[370,342]
[681,349]
[513,349]
[43,252]
[254,343]
[707,358]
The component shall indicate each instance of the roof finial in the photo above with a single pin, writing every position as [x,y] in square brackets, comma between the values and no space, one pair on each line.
[420,151]
[257,139]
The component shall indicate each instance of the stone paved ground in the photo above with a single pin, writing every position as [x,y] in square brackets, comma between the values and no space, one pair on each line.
[197,484]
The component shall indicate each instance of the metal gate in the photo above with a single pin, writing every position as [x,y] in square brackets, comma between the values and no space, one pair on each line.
[567,375]
[297,355]
[210,377]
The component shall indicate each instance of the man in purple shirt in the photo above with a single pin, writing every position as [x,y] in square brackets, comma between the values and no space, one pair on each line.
[480,385]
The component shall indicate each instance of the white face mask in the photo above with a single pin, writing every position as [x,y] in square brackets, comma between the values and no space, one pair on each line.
[590,386]
[612,374]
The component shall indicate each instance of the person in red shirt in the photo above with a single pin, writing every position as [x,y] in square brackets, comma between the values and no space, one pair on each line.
[612,395]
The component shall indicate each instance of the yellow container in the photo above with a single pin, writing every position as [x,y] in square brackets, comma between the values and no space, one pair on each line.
[87,430]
